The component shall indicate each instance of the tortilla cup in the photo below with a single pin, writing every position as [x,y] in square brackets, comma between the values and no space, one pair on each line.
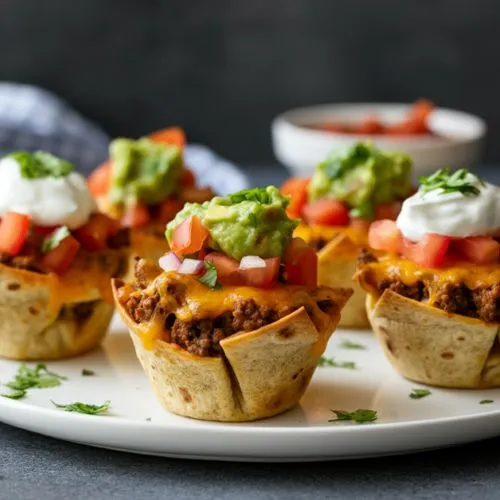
[337,266]
[43,316]
[433,347]
[262,372]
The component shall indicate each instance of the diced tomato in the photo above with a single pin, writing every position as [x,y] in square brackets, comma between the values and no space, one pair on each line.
[136,215]
[95,233]
[170,135]
[59,259]
[301,264]
[370,125]
[168,209]
[388,210]
[385,235]
[99,180]
[296,188]
[196,195]
[227,268]
[262,277]
[429,252]
[44,230]
[14,230]
[188,179]
[479,249]
[326,212]
[189,236]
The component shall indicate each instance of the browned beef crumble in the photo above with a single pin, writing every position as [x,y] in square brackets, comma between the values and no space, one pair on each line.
[365,257]
[482,303]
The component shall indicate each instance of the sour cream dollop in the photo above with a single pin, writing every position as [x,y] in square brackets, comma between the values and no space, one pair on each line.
[451,214]
[50,201]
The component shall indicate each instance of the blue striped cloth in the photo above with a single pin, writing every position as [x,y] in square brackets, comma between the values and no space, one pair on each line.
[32,118]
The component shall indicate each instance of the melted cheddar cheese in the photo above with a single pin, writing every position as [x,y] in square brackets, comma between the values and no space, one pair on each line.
[471,275]
[196,301]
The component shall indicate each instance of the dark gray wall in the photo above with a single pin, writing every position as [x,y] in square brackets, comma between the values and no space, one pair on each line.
[223,69]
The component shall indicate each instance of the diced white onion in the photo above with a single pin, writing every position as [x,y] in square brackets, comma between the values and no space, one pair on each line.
[169,262]
[191,266]
[252,262]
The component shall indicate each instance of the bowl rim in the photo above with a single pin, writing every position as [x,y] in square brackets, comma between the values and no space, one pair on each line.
[285,120]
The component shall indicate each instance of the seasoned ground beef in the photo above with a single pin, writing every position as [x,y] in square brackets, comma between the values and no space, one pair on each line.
[202,337]
[365,257]
[120,240]
[418,291]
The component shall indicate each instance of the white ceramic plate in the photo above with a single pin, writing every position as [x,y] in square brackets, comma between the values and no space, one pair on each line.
[136,422]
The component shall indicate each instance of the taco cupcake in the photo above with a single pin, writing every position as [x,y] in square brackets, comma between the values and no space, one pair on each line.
[434,287]
[347,191]
[144,184]
[231,324]
[57,257]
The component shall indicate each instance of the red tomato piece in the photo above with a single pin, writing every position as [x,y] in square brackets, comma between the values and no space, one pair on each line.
[429,252]
[168,209]
[136,215]
[370,125]
[385,235]
[261,277]
[296,188]
[301,264]
[14,230]
[189,236]
[188,179]
[170,135]
[59,259]
[326,212]
[95,233]
[227,268]
[99,180]
[479,249]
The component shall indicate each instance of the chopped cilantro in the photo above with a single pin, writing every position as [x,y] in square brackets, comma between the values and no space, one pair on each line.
[359,416]
[38,377]
[53,240]
[19,394]
[486,401]
[347,344]
[449,182]
[88,373]
[39,164]
[260,195]
[209,278]
[324,361]
[85,408]
[419,393]
[252,218]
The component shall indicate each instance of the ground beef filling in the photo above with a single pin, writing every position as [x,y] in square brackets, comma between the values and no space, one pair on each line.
[482,303]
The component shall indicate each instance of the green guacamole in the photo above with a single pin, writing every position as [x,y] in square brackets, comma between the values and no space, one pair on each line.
[362,176]
[250,222]
[143,170]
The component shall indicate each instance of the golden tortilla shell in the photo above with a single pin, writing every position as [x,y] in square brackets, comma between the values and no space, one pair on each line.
[263,373]
[428,345]
[336,267]
[43,316]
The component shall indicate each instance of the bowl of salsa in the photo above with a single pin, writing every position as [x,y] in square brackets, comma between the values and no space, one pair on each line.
[434,137]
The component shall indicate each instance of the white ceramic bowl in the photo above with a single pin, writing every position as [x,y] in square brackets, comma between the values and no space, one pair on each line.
[458,142]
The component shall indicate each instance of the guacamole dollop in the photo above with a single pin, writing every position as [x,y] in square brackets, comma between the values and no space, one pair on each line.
[362,176]
[249,222]
[143,170]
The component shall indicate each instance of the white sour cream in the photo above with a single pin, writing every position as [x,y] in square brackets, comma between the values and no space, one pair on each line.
[50,201]
[451,214]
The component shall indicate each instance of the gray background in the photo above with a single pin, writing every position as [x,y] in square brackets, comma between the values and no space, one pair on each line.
[224,68]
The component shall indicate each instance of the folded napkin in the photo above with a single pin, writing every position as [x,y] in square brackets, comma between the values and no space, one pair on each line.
[32,118]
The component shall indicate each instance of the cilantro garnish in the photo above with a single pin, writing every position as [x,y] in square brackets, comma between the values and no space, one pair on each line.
[260,195]
[449,182]
[19,394]
[323,361]
[252,218]
[41,164]
[486,401]
[347,344]
[359,416]
[209,278]
[54,239]
[419,393]
[88,373]
[84,408]
[38,377]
